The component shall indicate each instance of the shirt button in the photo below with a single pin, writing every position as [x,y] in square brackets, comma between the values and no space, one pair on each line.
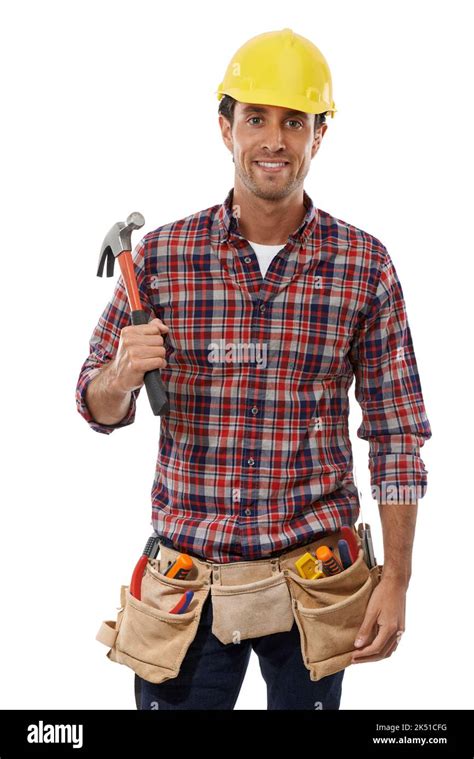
[262,307]
[247,512]
[251,461]
[254,409]
[247,259]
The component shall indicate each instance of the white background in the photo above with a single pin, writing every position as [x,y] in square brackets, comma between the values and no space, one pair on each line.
[110,107]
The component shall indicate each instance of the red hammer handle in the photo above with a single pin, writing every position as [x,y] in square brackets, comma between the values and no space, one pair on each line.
[154,384]
[128,273]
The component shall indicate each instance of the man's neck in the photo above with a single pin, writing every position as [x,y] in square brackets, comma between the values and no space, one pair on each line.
[268,222]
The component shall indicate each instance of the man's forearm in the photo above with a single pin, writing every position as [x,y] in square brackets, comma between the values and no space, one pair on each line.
[398,527]
[106,403]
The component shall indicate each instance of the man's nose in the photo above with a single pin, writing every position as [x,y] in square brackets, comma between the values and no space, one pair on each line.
[273,138]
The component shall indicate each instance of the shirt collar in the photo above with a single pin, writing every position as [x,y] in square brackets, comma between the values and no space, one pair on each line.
[227,222]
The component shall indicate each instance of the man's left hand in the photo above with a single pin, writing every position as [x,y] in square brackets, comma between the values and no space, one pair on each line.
[384,622]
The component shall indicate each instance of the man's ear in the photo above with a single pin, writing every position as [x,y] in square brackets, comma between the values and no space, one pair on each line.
[226,131]
[319,134]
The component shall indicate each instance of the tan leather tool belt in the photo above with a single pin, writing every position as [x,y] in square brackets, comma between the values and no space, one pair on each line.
[249,599]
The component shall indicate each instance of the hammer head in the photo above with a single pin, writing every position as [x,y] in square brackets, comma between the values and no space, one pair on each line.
[118,239]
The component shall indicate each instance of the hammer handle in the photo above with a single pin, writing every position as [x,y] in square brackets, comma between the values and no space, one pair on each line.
[153,382]
[128,273]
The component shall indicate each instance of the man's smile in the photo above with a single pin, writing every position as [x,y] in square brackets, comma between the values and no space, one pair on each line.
[271,166]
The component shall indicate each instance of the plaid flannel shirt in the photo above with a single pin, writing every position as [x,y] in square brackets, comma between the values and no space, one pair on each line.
[255,456]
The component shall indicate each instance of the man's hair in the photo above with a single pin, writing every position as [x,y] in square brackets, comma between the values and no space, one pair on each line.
[227,106]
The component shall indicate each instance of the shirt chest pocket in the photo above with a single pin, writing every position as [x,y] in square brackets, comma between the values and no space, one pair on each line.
[205,323]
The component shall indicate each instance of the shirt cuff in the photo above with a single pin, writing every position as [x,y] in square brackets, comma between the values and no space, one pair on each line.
[83,409]
[397,472]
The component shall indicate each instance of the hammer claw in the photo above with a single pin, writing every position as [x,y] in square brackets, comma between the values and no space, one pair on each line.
[106,255]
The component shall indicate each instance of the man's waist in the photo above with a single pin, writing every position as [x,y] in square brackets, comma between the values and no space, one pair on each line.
[296,547]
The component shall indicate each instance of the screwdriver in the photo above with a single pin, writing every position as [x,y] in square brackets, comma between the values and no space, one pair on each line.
[331,565]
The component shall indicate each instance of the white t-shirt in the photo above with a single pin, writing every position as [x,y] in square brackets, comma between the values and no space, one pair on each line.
[265,254]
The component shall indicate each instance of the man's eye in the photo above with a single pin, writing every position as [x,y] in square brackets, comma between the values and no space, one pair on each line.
[290,121]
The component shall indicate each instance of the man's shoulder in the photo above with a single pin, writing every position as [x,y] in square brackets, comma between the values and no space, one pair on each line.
[355,238]
[194,224]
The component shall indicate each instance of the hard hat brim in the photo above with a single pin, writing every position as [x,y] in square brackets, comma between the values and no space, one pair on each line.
[267,97]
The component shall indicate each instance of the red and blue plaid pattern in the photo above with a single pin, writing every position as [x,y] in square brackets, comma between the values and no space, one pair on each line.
[254,456]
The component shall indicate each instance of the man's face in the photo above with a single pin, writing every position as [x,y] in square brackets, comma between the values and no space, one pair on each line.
[271,134]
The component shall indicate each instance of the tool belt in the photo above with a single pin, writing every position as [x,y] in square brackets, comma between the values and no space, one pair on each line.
[249,599]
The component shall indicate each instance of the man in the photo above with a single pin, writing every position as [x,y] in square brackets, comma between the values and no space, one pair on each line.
[262,311]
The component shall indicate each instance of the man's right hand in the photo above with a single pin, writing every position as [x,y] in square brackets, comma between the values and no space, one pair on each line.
[141,349]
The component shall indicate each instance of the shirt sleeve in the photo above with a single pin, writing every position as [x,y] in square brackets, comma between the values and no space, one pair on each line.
[388,389]
[104,341]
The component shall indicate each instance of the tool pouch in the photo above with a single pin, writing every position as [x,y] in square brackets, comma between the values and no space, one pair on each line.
[329,612]
[145,635]
[249,599]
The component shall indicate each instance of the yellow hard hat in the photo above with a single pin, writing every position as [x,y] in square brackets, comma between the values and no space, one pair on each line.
[280,68]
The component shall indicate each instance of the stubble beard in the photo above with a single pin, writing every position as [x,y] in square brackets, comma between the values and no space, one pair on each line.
[268,190]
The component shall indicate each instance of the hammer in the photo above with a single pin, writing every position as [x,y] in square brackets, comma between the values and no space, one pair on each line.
[117,244]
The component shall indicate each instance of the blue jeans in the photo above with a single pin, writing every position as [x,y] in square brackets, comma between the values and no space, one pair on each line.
[212,674]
